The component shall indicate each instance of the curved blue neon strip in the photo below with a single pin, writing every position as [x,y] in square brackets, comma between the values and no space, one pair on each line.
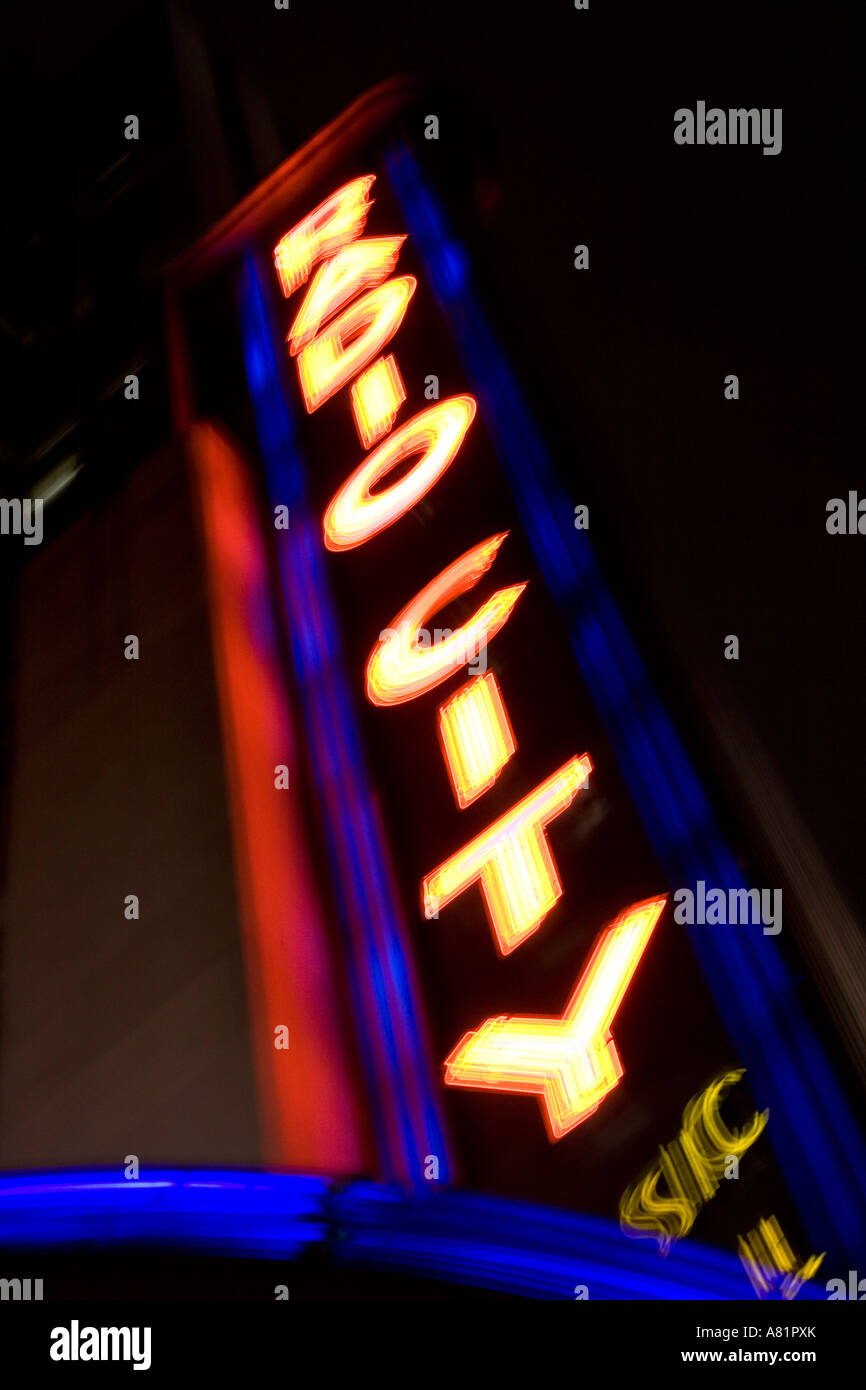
[515,1247]
[221,1211]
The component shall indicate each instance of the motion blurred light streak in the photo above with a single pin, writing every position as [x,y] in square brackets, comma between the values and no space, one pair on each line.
[571,1062]
[816,1137]
[516,1247]
[512,861]
[309,1109]
[476,738]
[690,1166]
[523,1248]
[217,1211]
[355,513]
[399,668]
[390,1028]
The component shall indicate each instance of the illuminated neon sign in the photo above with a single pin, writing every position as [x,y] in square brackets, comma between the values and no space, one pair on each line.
[351,311]
[691,1166]
[509,868]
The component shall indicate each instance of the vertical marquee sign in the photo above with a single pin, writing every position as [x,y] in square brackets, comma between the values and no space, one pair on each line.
[353,308]
[500,806]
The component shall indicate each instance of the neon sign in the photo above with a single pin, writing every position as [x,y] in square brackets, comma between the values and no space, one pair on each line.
[691,1166]
[482,851]
[353,308]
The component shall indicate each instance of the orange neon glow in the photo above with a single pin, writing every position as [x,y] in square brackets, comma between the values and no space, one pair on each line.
[309,1111]
[571,1062]
[334,222]
[476,738]
[400,668]
[353,340]
[354,514]
[512,861]
[376,397]
[355,268]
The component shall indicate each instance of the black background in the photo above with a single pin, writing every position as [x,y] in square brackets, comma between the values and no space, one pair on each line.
[559,125]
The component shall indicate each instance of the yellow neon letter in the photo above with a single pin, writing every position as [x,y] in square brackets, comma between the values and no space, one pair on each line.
[352,340]
[691,1165]
[571,1063]
[357,267]
[376,397]
[703,1124]
[399,668]
[354,514]
[512,861]
[337,220]
[646,1211]
[476,738]
[770,1262]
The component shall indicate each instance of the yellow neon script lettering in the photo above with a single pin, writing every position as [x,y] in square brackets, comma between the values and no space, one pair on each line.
[770,1262]
[691,1166]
